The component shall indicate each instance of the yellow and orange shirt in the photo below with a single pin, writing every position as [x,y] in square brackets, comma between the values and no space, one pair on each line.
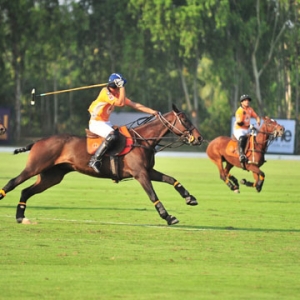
[101,108]
[244,115]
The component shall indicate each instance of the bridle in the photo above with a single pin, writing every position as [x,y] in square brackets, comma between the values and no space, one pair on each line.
[183,136]
[186,136]
[271,134]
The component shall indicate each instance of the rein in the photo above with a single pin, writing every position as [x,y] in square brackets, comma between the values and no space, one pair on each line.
[170,126]
[268,141]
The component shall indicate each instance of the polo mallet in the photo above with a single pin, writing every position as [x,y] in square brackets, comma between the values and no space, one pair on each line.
[33,94]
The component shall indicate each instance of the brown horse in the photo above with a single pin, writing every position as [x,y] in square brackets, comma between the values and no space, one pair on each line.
[2,129]
[53,157]
[224,149]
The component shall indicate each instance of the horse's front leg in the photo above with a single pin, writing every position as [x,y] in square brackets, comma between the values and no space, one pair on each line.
[144,180]
[157,176]
[259,179]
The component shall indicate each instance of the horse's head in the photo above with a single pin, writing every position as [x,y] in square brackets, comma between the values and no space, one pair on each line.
[272,128]
[2,129]
[179,124]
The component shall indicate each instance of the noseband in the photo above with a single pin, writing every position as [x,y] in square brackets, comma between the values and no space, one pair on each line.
[271,134]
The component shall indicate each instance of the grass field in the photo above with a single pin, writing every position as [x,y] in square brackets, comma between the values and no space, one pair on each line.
[94,239]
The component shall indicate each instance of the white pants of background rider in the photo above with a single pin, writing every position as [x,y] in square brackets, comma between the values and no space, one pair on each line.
[240,132]
[101,128]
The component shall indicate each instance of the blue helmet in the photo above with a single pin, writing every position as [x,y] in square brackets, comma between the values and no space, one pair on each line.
[113,77]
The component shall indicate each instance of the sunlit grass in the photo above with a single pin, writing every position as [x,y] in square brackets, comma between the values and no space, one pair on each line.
[94,239]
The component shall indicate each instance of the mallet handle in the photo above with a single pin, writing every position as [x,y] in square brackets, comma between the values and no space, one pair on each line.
[74,89]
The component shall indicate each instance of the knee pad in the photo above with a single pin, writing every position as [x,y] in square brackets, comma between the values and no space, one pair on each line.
[112,138]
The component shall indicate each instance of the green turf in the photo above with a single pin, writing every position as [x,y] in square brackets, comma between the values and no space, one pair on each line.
[94,239]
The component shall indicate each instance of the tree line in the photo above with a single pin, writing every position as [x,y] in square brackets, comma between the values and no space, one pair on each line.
[199,54]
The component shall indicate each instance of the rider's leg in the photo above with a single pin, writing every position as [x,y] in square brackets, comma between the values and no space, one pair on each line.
[96,159]
[242,144]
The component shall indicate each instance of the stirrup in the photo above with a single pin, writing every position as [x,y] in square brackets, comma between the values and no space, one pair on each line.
[243,158]
[95,164]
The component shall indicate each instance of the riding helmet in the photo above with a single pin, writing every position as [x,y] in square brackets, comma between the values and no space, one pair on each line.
[113,77]
[244,97]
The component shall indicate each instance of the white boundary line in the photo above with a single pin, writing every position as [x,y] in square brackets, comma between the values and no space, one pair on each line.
[174,227]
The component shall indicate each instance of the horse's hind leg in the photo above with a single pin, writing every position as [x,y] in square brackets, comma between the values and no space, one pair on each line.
[230,180]
[144,180]
[160,177]
[14,182]
[44,181]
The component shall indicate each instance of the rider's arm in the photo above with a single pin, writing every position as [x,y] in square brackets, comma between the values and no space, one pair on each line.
[120,100]
[258,120]
[239,116]
[140,107]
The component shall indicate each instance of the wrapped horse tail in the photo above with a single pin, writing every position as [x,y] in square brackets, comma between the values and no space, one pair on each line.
[24,149]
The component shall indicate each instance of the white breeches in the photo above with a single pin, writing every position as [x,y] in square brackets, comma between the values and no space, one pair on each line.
[101,128]
[240,132]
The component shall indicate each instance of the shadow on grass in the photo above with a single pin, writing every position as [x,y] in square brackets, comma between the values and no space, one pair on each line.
[163,226]
[202,228]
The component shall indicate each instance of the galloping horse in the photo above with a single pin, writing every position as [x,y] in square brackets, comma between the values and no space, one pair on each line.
[224,149]
[2,129]
[53,157]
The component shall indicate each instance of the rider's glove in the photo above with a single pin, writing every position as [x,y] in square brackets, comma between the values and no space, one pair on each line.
[119,82]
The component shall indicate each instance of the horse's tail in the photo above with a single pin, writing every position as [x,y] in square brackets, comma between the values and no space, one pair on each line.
[24,149]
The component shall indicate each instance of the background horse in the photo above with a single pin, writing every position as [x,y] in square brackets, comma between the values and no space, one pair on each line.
[2,129]
[53,157]
[224,149]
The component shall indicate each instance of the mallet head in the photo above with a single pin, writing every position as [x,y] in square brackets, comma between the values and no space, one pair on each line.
[32,97]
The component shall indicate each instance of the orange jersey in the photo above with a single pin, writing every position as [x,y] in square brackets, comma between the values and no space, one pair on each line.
[101,108]
[244,115]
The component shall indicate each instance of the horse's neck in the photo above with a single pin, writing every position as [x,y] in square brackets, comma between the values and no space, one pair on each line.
[151,132]
[262,140]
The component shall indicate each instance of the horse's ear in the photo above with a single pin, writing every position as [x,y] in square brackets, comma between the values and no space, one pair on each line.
[174,107]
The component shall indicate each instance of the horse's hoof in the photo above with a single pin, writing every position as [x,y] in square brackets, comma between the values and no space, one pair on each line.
[2,194]
[236,191]
[243,181]
[171,220]
[191,200]
[23,221]
[26,221]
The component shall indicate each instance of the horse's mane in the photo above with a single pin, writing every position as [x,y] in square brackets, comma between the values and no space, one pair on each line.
[139,122]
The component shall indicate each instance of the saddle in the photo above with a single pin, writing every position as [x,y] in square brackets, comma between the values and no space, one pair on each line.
[232,148]
[122,146]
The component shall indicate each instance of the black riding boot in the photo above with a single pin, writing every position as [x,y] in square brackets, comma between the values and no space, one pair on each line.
[96,159]
[242,144]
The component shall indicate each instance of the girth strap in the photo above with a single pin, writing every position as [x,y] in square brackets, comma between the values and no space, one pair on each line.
[114,164]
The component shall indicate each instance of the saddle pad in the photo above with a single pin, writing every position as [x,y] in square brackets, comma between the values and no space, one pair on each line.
[232,147]
[124,143]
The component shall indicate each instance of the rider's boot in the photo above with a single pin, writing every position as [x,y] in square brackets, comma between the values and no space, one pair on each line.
[96,159]
[242,143]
